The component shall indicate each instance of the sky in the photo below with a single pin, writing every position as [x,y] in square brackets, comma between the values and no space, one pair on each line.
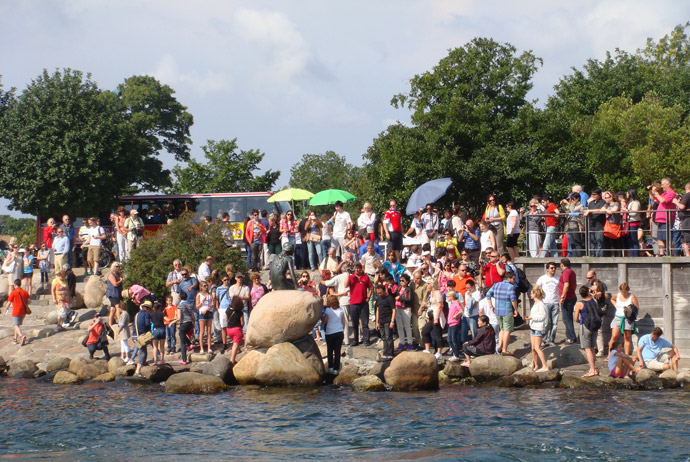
[296,77]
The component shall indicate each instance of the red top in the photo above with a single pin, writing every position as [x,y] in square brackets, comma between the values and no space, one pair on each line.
[551,221]
[358,288]
[491,275]
[19,298]
[94,333]
[393,218]
[568,275]
[48,236]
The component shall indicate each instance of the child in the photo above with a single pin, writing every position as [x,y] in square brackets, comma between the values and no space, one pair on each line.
[385,314]
[123,330]
[485,309]
[403,313]
[334,320]
[537,318]
[620,364]
[455,310]
[471,313]
[235,318]
[170,324]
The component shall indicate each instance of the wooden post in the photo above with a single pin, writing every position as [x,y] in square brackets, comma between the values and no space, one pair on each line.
[667,301]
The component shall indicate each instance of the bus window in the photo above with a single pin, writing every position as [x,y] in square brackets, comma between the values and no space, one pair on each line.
[234,206]
[260,203]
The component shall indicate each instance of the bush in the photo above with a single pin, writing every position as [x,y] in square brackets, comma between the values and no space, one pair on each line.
[150,263]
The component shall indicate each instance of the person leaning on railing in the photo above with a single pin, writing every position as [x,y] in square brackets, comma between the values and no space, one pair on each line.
[574,223]
[683,205]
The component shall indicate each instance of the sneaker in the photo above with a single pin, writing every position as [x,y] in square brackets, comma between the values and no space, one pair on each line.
[569,342]
[23,340]
[439,356]
[329,371]
[184,363]
[130,362]
[336,372]
[454,359]
[14,341]
[427,351]
[73,317]
[401,347]
[408,347]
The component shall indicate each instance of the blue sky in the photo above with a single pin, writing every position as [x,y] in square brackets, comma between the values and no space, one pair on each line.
[296,77]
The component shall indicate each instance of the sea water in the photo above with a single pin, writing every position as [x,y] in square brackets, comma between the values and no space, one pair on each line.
[121,421]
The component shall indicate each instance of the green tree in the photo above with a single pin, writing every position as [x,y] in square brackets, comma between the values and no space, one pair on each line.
[68,147]
[6,98]
[316,172]
[227,169]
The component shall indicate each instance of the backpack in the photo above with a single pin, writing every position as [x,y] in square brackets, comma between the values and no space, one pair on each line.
[593,315]
[523,285]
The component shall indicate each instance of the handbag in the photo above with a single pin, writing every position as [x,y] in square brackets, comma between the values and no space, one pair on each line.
[313,237]
[611,230]
[145,339]
[9,268]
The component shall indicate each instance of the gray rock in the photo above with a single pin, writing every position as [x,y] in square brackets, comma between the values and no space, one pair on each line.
[669,374]
[107,377]
[368,383]
[413,371]
[4,333]
[23,368]
[284,365]
[245,369]
[94,291]
[157,374]
[455,370]
[51,317]
[645,374]
[87,317]
[57,363]
[221,367]
[126,371]
[551,375]
[3,365]
[526,376]
[66,378]
[572,381]
[199,358]
[379,369]
[491,367]
[283,316]
[561,356]
[43,333]
[87,369]
[194,383]
[348,374]
[114,364]
[311,352]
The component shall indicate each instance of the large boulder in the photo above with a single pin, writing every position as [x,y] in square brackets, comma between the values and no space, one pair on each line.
[368,383]
[245,369]
[86,369]
[312,352]
[157,374]
[115,363]
[490,367]
[348,374]
[78,301]
[94,291]
[126,371]
[194,383]
[66,378]
[57,363]
[412,371]
[23,368]
[107,377]
[85,318]
[283,316]
[455,371]
[285,365]
[51,317]
[220,367]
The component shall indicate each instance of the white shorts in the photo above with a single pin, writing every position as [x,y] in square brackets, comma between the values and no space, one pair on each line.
[222,318]
[657,364]
[124,346]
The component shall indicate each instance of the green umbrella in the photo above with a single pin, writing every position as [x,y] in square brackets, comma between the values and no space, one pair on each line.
[289,195]
[331,196]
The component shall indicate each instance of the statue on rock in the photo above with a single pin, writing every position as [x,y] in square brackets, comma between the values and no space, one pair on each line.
[281,266]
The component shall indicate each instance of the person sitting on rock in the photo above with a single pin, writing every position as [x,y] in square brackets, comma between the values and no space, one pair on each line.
[656,353]
[620,364]
[97,338]
[483,344]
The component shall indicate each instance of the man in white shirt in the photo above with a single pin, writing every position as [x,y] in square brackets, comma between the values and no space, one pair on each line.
[205,269]
[429,221]
[341,223]
[96,234]
[549,284]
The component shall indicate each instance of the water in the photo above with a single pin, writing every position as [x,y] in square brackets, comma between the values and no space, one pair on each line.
[120,421]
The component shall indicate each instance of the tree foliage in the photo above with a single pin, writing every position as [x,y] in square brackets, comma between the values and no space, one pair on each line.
[68,147]
[24,229]
[227,169]
[151,262]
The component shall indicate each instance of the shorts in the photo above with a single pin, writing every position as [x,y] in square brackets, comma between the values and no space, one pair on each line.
[29,275]
[62,313]
[661,232]
[114,301]
[235,334]
[124,346]
[506,323]
[512,240]
[159,333]
[17,320]
[536,333]
[396,240]
[208,316]
[657,364]
[616,324]
[588,338]
[223,319]
[94,254]
[621,376]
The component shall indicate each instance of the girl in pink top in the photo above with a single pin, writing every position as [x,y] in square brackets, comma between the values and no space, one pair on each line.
[455,310]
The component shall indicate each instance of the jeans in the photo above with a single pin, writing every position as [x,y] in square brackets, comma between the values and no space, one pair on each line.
[387,336]
[575,243]
[92,347]
[248,248]
[552,313]
[677,243]
[325,245]
[596,242]
[567,308]
[472,324]
[143,355]
[256,248]
[454,339]
[359,312]
[185,327]
[246,321]
[633,242]
[170,336]
[550,248]
[315,254]
[334,343]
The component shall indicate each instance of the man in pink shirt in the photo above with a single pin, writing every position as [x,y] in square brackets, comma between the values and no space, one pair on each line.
[662,218]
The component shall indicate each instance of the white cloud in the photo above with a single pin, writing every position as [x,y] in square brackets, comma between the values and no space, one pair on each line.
[200,83]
